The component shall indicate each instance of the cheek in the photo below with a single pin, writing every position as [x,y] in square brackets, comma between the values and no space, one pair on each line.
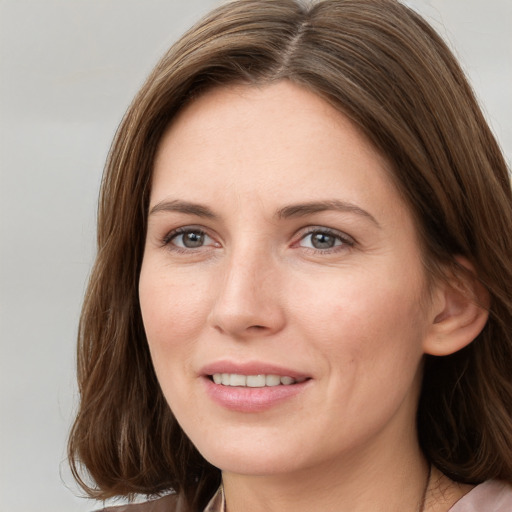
[365,318]
[170,309]
[174,314]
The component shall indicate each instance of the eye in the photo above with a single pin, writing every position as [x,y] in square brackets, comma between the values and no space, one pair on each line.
[324,239]
[188,238]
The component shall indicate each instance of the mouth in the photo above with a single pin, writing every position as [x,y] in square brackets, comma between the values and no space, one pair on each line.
[252,390]
[254,381]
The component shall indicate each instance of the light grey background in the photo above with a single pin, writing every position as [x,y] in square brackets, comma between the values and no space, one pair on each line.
[68,69]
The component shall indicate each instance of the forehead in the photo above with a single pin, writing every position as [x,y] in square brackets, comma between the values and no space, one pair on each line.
[257,126]
[239,111]
[280,132]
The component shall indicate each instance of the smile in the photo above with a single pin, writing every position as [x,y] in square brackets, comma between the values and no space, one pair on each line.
[253,381]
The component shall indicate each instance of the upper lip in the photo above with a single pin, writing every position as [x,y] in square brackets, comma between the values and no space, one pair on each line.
[251,368]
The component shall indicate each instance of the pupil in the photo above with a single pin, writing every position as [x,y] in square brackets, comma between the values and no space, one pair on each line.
[193,239]
[322,241]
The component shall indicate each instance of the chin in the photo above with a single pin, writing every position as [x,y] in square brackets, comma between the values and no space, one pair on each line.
[256,457]
[250,464]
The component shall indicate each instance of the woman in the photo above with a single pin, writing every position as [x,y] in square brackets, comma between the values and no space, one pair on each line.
[301,299]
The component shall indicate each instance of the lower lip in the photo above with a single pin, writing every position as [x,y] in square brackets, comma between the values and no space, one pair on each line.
[242,399]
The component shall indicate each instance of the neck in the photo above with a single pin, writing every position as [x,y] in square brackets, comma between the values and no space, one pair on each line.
[390,482]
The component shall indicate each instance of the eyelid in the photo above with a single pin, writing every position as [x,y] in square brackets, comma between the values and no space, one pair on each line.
[167,239]
[328,231]
[347,241]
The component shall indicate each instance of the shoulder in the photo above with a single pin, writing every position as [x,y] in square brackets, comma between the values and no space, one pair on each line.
[169,503]
[491,496]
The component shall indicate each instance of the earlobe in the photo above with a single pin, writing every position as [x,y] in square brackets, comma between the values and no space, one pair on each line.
[461,310]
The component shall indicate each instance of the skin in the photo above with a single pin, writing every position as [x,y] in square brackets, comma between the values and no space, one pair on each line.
[355,318]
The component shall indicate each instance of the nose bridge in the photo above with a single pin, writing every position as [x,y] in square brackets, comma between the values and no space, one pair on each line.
[248,296]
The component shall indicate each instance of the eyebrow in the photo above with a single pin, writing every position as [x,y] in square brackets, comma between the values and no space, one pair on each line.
[183,207]
[301,210]
[287,212]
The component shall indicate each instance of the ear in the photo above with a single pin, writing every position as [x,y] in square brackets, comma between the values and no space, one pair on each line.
[460,309]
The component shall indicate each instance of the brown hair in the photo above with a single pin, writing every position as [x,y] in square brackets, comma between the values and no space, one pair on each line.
[386,69]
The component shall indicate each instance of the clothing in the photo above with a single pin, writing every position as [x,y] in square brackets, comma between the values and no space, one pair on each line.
[170,503]
[491,496]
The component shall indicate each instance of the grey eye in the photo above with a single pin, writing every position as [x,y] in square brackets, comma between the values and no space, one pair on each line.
[322,240]
[190,239]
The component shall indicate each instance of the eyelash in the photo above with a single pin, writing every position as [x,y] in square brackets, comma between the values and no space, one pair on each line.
[346,241]
[175,233]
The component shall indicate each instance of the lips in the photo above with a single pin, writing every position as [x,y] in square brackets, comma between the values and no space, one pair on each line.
[252,387]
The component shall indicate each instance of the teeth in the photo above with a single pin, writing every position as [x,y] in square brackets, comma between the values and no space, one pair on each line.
[237,380]
[273,380]
[253,381]
[256,381]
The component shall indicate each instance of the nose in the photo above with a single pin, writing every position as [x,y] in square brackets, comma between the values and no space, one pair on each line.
[248,302]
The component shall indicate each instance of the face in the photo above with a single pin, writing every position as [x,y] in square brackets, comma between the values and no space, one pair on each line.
[282,291]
